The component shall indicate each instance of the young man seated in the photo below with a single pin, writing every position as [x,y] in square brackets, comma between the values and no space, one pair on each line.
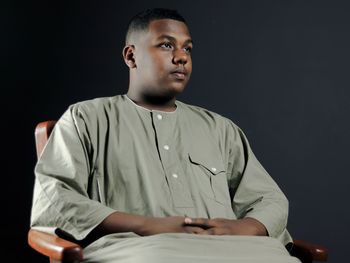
[143,177]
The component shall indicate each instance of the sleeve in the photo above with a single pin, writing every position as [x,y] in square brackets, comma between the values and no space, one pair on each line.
[60,198]
[253,191]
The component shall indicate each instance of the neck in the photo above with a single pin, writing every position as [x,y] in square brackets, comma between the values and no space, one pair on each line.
[153,102]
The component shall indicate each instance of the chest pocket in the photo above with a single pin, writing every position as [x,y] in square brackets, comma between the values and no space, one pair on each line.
[210,175]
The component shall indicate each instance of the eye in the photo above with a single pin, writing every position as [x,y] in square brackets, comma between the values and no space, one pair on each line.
[188,50]
[166,46]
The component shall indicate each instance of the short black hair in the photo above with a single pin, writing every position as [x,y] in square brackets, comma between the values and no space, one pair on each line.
[142,20]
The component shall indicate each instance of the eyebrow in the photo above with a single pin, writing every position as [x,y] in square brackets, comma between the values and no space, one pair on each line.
[173,39]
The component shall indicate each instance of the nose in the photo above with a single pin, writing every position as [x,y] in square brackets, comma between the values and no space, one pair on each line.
[180,57]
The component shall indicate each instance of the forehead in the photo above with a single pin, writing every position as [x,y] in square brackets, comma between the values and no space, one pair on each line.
[170,27]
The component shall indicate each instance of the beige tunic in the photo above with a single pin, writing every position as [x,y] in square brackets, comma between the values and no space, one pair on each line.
[109,154]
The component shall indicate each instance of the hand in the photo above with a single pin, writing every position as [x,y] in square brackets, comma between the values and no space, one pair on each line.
[221,226]
[173,224]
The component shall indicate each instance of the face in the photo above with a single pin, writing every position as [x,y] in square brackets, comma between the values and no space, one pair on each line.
[162,57]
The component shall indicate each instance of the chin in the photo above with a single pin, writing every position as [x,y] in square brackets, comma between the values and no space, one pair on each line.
[169,90]
[178,88]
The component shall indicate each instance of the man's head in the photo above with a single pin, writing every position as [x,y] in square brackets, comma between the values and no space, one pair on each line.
[141,21]
[158,54]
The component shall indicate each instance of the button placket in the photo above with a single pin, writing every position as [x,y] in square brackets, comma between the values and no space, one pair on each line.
[159,123]
[164,125]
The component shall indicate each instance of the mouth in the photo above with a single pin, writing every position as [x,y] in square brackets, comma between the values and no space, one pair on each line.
[179,74]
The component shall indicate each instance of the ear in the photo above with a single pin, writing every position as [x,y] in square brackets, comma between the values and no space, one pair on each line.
[129,56]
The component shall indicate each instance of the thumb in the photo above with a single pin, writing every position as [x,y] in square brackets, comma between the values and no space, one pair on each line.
[188,220]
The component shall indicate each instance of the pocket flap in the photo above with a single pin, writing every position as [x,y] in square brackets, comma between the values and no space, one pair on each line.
[211,162]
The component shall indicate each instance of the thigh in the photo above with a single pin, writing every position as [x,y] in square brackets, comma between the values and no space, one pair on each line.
[187,248]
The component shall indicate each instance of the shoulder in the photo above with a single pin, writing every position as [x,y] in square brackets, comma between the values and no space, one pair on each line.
[220,130]
[92,112]
[93,106]
[97,108]
[195,111]
[202,116]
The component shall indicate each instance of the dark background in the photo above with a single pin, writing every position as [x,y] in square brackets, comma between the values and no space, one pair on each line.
[278,69]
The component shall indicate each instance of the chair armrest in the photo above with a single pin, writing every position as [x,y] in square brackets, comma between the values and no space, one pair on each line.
[56,248]
[308,250]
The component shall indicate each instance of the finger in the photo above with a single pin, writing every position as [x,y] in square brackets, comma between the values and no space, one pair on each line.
[193,229]
[188,220]
[213,231]
[203,232]
[198,222]
[220,231]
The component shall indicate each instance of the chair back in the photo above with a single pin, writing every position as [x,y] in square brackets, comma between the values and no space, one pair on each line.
[42,133]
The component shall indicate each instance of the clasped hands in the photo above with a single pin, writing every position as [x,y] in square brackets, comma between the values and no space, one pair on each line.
[203,226]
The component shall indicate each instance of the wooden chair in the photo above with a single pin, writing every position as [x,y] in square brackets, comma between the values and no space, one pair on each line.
[61,250]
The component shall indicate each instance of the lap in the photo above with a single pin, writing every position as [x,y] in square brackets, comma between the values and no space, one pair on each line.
[187,248]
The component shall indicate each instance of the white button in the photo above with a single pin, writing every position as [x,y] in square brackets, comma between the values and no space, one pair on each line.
[166,147]
[213,169]
[159,116]
[175,176]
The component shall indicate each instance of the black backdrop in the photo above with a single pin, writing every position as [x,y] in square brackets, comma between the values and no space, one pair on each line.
[279,69]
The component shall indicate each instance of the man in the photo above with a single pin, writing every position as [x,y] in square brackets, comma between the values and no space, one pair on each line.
[142,177]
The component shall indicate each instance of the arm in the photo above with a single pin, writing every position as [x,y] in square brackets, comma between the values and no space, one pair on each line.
[62,175]
[255,194]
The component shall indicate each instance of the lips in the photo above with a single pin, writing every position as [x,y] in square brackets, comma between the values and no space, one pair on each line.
[179,74]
